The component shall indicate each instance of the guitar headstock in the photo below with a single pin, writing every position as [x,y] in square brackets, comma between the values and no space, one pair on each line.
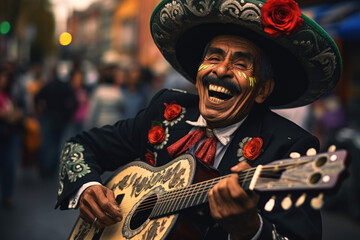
[308,175]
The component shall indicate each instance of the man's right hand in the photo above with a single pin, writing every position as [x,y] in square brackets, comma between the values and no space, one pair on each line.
[98,202]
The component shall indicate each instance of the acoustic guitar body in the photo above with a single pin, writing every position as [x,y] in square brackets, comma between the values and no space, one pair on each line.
[136,187]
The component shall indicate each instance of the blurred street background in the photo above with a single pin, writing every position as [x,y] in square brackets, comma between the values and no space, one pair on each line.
[70,65]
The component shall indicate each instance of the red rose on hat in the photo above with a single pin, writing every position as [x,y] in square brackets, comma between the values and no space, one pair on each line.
[156,134]
[252,148]
[172,110]
[281,17]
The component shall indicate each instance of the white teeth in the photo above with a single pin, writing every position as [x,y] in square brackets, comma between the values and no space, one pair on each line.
[219,89]
[216,100]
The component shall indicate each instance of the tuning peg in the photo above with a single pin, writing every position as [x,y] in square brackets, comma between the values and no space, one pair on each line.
[317,202]
[270,204]
[332,148]
[311,152]
[300,200]
[295,155]
[286,203]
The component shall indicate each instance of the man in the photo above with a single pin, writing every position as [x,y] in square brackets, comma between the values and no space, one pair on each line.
[243,59]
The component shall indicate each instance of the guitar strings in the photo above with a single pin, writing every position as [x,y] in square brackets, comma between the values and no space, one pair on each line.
[171,195]
[159,213]
[195,188]
[243,176]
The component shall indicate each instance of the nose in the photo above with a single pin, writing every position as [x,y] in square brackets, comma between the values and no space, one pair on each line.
[223,69]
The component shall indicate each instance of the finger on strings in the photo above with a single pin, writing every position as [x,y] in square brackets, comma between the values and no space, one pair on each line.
[96,210]
[111,208]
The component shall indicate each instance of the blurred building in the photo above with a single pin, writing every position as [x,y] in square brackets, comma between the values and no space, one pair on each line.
[29,34]
[115,31]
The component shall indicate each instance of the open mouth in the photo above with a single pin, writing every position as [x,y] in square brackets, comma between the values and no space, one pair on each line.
[218,94]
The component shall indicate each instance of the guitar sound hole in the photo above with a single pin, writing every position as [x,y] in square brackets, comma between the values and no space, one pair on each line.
[142,212]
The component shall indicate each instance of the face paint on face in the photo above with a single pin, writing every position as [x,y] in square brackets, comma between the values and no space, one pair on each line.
[252,80]
[203,67]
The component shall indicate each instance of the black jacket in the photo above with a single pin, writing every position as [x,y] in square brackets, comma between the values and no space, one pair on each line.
[107,148]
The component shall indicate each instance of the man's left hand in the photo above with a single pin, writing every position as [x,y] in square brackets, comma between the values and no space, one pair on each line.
[234,209]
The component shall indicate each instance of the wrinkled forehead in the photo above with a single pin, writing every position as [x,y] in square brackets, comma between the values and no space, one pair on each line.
[234,44]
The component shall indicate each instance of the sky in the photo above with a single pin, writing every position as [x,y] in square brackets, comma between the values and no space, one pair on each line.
[62,9]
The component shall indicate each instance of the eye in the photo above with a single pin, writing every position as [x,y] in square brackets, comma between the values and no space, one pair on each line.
[213,59]
[240,65]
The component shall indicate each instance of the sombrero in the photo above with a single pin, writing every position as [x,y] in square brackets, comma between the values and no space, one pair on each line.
[305,59]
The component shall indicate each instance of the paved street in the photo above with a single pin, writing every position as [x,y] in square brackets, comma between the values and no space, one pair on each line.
[34,217]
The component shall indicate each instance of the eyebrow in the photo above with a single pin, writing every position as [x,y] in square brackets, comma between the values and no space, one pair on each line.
[215,50]
[245,55]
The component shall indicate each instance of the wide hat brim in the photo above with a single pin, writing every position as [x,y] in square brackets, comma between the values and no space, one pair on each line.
[306,63]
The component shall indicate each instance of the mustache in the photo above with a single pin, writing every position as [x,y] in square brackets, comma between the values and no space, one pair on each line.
[225,82]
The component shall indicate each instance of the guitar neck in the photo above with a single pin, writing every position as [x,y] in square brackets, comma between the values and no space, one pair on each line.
[193,195]
[306,174]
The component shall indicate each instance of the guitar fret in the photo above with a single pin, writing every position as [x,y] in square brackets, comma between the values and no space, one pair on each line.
[183,198]
[203,193]
[197,196]
[190,196]
[156,208]
[245,178]
[170,202]
[163,205]
[174,202]
[193,196]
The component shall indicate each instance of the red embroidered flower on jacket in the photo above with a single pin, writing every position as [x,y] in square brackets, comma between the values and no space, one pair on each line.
[156,134]
[281,17]
[172,110]
[252,148]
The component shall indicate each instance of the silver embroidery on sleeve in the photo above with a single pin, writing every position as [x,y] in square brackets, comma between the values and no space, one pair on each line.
[72,164]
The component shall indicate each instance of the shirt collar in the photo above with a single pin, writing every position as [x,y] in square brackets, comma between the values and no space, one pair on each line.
[222,134]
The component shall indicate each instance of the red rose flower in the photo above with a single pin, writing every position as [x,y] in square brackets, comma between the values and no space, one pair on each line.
[281,17]
[252,148]
[172,110]
[150,158]
[156,134]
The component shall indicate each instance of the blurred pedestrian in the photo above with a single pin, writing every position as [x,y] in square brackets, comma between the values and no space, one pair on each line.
[77,121]
[107,103]
[174,80]
[55,105]
[10,137]
[34,80]
[134,91]
[27,86]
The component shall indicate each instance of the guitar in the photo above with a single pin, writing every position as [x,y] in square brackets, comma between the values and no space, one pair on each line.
[157,202]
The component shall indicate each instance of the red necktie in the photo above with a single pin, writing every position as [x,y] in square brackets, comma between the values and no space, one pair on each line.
[206,151]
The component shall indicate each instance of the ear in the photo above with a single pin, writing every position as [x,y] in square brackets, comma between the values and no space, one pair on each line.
[265,90]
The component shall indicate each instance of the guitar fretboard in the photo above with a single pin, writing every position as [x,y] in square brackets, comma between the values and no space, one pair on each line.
[267,176]
[193,195]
